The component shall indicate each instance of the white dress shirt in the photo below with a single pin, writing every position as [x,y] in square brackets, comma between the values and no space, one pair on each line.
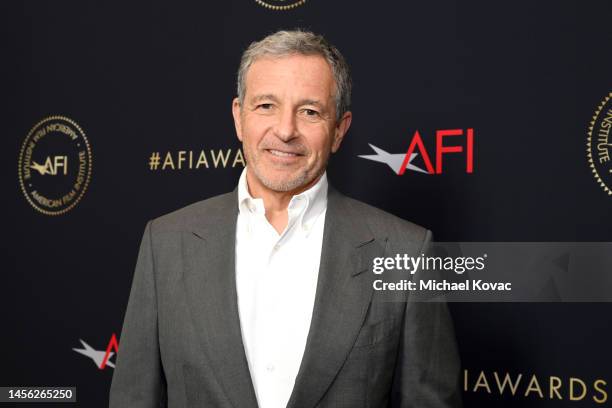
[276,281]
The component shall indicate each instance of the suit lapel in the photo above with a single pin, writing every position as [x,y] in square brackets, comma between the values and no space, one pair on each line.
[341,301]
[210,285]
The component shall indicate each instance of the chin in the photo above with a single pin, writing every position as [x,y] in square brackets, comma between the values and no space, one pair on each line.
[285,183]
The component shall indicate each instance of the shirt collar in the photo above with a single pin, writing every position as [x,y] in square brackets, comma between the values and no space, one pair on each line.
[315,199]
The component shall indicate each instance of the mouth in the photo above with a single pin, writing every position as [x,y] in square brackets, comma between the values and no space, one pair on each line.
[283,154]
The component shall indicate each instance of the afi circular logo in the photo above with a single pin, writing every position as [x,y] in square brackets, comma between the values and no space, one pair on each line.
[54,165]
[599,144]
[280,4]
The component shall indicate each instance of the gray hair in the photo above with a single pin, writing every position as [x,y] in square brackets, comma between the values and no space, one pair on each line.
[286,43]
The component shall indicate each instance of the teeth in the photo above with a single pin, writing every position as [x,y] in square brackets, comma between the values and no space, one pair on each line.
[282,154]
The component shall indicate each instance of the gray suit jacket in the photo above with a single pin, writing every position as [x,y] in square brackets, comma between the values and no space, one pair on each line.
[181,343]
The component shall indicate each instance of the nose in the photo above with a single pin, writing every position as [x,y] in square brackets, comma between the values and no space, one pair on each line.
[285,128]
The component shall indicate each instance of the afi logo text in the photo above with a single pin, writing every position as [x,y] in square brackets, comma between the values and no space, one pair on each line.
[51,166]
[447,141]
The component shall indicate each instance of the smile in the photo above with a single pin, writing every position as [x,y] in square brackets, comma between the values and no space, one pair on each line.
[279,153]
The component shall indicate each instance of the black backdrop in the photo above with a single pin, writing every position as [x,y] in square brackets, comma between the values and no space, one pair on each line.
[159,76]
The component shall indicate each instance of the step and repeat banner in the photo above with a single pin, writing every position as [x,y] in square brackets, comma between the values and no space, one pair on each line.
[484,121]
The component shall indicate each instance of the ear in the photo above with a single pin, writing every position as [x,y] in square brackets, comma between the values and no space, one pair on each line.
[342,127]
[236,113]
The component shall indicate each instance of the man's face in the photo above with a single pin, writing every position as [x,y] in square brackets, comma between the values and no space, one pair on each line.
[287,123]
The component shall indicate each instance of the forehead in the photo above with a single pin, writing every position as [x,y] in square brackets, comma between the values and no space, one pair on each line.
[308,75]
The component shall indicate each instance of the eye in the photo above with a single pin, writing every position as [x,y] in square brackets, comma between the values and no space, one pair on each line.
[311,112]
[265,106]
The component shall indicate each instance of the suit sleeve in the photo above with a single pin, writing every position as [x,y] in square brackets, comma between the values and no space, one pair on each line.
[138,380]
[428,367]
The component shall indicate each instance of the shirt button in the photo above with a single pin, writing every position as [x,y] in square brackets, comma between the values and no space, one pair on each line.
[269,368]
[276,247]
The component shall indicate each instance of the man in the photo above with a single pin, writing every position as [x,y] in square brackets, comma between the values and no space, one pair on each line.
[263,296]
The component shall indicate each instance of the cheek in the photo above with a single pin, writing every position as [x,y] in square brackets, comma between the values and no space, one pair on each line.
[253,131]
[318,138]
[326,145]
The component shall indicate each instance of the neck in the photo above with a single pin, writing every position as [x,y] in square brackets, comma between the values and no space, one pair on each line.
[275,202]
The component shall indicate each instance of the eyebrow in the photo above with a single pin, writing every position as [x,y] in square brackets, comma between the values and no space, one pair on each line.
[313,102]
[273,98]
[264,97]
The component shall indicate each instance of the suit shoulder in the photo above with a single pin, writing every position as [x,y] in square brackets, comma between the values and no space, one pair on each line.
[384,223]
[185,217]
